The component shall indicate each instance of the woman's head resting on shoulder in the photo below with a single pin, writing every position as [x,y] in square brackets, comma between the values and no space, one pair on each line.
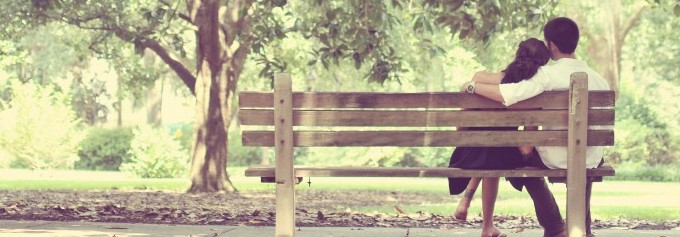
[531,54]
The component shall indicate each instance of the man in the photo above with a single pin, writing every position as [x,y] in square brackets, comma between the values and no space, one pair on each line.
[561,37]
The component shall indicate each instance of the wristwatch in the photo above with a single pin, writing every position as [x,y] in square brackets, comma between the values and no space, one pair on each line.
[470,89]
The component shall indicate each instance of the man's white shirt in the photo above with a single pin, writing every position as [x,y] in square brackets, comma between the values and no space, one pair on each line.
[556,77]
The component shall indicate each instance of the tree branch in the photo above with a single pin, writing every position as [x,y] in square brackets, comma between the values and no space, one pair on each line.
[179,14]
[77,22]
[81,22]
[187,77]
[184,74]
[631,23]
[248,38]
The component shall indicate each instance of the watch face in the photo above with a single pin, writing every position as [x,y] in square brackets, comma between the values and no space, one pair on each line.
[470,88]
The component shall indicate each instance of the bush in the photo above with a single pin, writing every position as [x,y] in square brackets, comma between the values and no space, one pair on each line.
[104,149]
[184,133]
[155,153]
[240,155]
[39,129]
[374,156]
[637,142]
[641,135]
[643,172]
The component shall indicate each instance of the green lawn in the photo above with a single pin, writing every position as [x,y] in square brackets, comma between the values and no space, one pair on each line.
[611,199]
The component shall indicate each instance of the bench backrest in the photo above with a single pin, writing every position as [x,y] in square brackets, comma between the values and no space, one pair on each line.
[308,119]
[418,119]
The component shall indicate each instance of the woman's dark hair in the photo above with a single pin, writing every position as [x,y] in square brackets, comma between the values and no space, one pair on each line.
[531,54]
[563,32]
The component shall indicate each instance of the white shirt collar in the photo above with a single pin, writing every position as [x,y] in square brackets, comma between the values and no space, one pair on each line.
[570,62]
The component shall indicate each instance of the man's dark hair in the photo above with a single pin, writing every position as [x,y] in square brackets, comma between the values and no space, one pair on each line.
[563,32]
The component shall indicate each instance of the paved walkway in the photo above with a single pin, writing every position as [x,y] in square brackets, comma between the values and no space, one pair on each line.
[59,229]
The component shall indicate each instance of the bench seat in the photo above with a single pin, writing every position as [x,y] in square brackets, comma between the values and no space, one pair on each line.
[268,171]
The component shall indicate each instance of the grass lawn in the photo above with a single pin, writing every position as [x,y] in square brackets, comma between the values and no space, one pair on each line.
[611,199]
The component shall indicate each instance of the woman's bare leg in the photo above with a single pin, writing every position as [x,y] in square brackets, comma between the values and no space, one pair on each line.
[464,203]
[489,194]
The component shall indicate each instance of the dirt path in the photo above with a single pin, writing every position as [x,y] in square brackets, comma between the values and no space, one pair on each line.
[314,208]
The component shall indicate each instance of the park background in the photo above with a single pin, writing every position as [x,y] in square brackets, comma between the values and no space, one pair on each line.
[98,94]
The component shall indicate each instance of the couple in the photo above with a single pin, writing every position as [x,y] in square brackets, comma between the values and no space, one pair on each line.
[525,77]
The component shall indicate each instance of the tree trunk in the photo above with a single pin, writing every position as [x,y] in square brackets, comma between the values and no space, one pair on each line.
[209,156]
[154,103]
[606,42]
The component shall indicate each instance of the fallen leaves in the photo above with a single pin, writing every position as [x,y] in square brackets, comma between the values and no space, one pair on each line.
[314,208]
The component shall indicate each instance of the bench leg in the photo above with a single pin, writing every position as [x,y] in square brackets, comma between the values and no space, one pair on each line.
[285,187]
[576,208]
[285,209]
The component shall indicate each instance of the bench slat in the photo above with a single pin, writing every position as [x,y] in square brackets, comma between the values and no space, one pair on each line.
[421,172]
[376,118]
[426,138]
[547,100]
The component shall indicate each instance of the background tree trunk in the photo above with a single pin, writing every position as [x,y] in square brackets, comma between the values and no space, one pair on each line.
[606,41]
[154,103]
[209,156]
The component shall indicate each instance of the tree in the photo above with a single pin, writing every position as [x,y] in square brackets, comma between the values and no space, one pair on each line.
[606,30]
[226,32]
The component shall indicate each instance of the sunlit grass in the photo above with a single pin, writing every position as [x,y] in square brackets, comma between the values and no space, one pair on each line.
[611,199]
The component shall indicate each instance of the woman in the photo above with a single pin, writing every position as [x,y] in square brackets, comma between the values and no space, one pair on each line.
[531,54]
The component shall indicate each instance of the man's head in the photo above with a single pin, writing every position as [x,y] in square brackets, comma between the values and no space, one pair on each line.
[561,36]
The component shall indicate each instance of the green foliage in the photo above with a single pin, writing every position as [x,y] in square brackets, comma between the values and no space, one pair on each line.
[184,133]
[155,153]
[430,156]
[111,30]
[374,156]
[6,158]
[240,155]
[15,19]
[652,45]
[645,172]
[88,99]
[641,135]
[39,129]
[363,32]
[58,55]
[104,149]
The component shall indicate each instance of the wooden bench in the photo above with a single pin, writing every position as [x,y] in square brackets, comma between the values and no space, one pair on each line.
[327,119]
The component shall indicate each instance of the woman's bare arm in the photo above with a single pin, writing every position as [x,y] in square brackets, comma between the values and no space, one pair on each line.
[488,77]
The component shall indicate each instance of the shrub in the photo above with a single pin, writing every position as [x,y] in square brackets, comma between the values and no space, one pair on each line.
[374,156]
[155,153]
[184,133]
[240,155]
[104,149]
[39,129]
[644,172]
[637,142]
[641,135]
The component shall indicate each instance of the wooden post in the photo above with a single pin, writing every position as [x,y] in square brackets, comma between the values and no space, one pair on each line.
[283,134]
[576,153]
